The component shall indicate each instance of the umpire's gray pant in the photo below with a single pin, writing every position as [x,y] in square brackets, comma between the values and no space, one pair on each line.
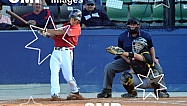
[120,65]
[111,69]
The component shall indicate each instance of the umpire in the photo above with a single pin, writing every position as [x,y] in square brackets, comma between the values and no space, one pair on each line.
[120,65]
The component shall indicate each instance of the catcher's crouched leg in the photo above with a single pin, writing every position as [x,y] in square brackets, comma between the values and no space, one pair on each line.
[154,82]
[127,82]
[75,96]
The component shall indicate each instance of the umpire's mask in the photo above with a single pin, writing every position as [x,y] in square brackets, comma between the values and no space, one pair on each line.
[133,25]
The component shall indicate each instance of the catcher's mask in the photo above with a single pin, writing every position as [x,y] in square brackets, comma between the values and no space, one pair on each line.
[133,22]
[76,13]
[139,44]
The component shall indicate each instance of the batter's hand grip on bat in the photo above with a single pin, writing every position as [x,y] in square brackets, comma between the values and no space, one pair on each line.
[16,16]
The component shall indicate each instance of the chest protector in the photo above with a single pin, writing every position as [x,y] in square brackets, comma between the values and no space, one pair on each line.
[142,67]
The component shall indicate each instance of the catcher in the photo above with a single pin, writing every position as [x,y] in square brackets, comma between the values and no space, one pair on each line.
[140,62]
[125,40]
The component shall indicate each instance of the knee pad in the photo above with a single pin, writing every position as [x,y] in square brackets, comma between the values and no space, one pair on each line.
[126,78]
[155,73]
[127,81]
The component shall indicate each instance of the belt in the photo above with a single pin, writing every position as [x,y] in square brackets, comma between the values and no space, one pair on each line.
[62,48]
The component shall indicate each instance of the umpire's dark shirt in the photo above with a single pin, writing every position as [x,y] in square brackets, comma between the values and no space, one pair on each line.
[125,40]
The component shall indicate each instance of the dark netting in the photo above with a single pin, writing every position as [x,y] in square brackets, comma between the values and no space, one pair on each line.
[152,14]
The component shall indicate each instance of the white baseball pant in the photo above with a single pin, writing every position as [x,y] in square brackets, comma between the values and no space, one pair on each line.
[62,59]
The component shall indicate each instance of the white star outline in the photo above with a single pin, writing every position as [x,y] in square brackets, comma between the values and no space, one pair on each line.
[27,46]
[31,98]
[150,93]
[155,6]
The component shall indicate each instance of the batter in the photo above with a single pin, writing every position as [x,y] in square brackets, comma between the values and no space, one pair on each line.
[62,56]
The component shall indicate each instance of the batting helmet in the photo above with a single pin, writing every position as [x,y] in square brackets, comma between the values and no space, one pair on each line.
[138,48]
[76,13]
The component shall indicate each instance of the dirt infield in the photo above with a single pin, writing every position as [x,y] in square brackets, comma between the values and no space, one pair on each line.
[174,101]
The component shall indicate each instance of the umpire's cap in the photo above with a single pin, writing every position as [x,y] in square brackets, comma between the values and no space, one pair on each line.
[76,13]
[133,20]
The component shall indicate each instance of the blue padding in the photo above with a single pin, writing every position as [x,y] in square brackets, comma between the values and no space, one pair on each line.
[20,65]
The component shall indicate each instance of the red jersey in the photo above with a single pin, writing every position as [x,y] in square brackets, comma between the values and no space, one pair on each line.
[71,36]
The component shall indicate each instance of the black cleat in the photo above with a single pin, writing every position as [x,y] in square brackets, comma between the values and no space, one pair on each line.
[163,95]
[128,95]
[106,93]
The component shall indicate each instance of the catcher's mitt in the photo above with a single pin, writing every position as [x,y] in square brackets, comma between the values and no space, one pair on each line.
[115,50]
[43,33]
[74,97]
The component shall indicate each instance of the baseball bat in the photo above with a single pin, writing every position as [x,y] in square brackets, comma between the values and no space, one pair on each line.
[16,16]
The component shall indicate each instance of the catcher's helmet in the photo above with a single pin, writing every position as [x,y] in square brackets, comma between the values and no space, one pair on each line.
[76,13]
[139,44]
